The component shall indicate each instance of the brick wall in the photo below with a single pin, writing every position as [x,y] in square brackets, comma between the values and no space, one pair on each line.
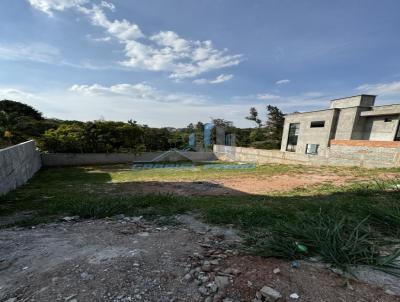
[365,143]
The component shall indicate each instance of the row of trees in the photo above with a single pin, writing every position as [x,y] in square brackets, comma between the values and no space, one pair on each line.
[20,122]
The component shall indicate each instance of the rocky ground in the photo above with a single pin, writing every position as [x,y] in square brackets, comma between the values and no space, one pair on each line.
[129,259]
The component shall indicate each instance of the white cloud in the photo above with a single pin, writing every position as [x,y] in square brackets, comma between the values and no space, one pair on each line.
[219,79]
[282,82]
[139,92]
[108,5]
[165,51]
[15,94]
[37,52]
[381,89]
[48,6]
[99,39]
[44,53]
[267,96]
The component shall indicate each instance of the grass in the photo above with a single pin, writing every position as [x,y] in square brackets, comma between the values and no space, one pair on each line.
[344,225]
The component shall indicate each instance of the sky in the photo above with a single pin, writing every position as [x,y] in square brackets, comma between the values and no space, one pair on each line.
[173,62]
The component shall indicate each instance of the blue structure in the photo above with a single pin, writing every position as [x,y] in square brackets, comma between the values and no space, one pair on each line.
[192,141]
[207,134]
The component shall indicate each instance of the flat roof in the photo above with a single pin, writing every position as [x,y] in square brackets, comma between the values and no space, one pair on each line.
[392,109]
[352,96]
[293,113]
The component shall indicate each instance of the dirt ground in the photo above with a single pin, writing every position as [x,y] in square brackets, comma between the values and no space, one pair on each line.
[128,259]
[230,186]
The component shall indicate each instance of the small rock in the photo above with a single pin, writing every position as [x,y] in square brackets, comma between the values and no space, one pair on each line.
[136,219]
[11,300]
[249,284]
[231,271]
[144,234]
[70,297]
[294,296]
[206,268]
[222,281]
[70,218]
[119,217]
[213,287]
[188,277]
[270,293]
[276,271]
[203,290]
[208,299]
[203,278]
[390,292]
[87,276]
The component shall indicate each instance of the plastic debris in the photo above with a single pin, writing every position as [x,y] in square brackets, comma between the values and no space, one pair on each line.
[295,264]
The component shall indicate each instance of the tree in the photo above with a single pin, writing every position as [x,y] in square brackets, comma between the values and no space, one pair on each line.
[20,109]
[68,138]
[253,116]
[274,126]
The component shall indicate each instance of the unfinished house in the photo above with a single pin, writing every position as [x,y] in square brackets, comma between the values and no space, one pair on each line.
[351,121]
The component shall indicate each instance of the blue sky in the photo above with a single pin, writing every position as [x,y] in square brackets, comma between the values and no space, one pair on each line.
[172,62]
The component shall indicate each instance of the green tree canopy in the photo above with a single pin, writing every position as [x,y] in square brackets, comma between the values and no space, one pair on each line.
[20,109]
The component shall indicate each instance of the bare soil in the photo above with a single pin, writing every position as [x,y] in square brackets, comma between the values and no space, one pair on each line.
[230,186]
[128,259]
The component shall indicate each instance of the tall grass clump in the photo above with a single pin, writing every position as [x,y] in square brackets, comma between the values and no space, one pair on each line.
[338,240]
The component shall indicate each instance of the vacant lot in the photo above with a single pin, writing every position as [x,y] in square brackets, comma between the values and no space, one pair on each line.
[344,217]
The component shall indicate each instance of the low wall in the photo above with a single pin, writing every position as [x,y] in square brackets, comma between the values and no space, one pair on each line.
[370,155]
[17,165]
[81,159]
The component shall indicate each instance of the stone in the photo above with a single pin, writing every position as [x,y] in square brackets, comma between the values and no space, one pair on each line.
[203,291]
[294,296]
[231,271]
[204,278]
[222,281]
[188,277]
[119,217]
[270,294]
[144,234]
[70,218]
[206,267]
[390,292]
[208,299]
[276,271]
[87,276]
[11,300]
[213,287]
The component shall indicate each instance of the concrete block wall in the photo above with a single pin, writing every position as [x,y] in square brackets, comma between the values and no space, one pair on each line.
[368,154]
[17,165]
[341,153]
[81,159]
